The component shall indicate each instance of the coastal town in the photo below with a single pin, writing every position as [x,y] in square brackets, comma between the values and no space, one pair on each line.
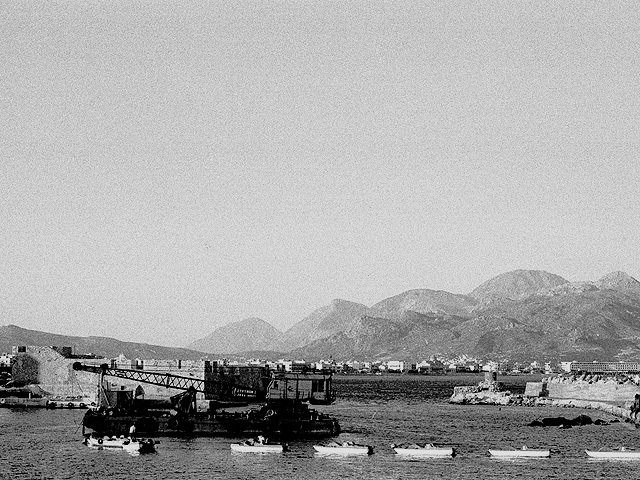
[430,366]
[50,368]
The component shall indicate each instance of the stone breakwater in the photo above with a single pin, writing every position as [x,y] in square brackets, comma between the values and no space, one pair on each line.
[485,393]
[612,394]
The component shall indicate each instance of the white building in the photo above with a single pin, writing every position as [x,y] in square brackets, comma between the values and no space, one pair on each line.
[395,366]
[491,366]
[5,360]
[565,366]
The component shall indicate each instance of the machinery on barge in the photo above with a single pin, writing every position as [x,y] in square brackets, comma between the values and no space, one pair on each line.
[280,404]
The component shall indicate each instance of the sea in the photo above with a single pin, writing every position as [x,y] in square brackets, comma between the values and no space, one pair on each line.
[372,410]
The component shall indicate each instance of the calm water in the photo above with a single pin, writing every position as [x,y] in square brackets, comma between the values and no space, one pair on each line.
[46,444]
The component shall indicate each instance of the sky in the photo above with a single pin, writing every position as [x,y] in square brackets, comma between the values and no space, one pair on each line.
[168,167]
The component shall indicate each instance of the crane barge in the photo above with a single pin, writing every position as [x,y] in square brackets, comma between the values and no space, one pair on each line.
[281,404]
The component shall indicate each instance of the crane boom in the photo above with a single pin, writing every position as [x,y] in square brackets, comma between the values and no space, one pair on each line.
[162,379]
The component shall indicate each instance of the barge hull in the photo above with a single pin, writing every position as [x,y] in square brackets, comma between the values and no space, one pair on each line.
[224,425]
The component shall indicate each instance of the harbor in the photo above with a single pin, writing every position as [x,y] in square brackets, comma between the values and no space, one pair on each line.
[376,411]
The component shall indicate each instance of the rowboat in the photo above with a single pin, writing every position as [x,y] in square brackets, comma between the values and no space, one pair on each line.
[259,445]
[621,454]
[271,448]
[345,448]
[121,443]
[524,452]
[428,451]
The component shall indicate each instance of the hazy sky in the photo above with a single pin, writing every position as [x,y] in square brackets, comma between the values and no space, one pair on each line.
[167,167]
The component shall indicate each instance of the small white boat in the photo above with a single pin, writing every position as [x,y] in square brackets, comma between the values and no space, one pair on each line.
[620,454]
[345,448]
[428,451]
[121,443]
[524,452]
[259,445]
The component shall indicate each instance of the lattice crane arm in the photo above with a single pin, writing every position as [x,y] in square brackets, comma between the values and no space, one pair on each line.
[162,379]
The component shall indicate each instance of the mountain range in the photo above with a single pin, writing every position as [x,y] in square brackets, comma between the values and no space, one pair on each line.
[12,335]
[520,315]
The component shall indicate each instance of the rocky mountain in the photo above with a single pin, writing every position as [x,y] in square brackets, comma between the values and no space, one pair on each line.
[583,322]
[423,301]
[246,335]
[525,316]
[336,317]
[374,338]
[619,281]
[12,335]
[516,285]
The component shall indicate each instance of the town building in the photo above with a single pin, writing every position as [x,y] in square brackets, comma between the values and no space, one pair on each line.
[605,367]
[431,367]
[565,366]
[396,366]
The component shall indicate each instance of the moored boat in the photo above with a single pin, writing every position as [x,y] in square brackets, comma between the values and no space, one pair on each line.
[620,454]
[19,402]
[428,451]
[344,448]
[524,452]
[259,445]
[121,443]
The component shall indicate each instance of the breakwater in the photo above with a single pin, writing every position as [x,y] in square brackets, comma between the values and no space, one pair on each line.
[613,394]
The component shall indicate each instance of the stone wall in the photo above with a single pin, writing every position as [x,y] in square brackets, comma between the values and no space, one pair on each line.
[602,390]
[535,389]
[53,373]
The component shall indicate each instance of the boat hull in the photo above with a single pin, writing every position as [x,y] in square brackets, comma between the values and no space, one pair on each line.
[424,452]
[239,447]
[218,425]
[20,402]
[350,450]
[120,444]
[614,455]
[520,453]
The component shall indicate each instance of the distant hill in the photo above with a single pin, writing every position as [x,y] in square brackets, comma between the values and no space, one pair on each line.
[245,335]
[423,301]
[338,316]
[619,281]
[12,335]
[516,285]
[411,336]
